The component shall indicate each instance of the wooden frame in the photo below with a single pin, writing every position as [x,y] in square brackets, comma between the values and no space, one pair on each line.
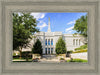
[8,67]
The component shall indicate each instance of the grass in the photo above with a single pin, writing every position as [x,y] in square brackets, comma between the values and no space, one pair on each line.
[80,51]
[81,47]
[21,60]
[77,60]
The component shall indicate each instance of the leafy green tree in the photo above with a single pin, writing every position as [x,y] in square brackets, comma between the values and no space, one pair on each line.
[37,47]
[81,25]
[60,46]
[24,26]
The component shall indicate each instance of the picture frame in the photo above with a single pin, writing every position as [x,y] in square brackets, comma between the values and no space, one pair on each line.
[6,64]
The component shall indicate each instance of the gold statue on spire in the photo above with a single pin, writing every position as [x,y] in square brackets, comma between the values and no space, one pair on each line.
[49,30]
[49,18]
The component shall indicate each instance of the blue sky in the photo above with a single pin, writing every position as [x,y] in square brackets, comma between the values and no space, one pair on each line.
[63,22]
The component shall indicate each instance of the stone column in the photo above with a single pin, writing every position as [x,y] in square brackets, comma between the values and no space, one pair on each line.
[75,42]
[78,42]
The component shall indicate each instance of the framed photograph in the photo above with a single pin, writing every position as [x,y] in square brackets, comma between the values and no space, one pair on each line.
[66,41]
[49,37]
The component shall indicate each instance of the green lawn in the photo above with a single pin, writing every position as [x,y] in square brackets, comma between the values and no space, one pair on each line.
[21,60]
[77,60]
[80,51]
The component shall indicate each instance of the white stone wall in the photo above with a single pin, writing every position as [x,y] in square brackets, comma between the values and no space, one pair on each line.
[72,42]
[69,39]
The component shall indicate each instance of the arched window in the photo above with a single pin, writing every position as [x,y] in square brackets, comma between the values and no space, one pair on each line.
[51,41]
[46,42]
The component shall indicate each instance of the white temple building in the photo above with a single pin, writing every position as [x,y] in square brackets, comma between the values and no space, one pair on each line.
[49,39]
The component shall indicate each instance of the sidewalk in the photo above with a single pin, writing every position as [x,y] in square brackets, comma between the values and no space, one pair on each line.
[80,56]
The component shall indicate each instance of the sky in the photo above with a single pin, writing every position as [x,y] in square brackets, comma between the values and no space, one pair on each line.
[61,22]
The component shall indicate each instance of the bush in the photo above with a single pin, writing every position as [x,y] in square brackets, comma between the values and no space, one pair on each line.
[62,59]
[37,47]
[14,54]
[60,46]
[71,51]
[68,53]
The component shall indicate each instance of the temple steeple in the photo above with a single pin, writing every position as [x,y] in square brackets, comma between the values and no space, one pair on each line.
[49,30]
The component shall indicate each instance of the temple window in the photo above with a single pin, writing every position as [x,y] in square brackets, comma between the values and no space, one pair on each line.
[46,42]
[51,50]
[51,41]
[45,50]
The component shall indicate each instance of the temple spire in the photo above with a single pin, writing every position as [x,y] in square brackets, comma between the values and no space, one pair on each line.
[49,30]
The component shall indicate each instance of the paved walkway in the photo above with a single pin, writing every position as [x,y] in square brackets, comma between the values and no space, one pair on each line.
[73,55]
[80,55]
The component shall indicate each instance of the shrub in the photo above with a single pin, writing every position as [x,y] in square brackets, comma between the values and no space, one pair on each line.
[37,47]
[14,53]
[69,51]
[60,46]
[62,59]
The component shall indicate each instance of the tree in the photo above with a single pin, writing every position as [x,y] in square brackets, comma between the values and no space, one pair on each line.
[24,26]
[60,46]
[81,25]
[37,47]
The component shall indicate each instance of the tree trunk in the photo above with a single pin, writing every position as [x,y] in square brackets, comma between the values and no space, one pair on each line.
[26,56]
[20,53]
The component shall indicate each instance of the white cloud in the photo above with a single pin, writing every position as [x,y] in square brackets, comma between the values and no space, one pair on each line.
[42,25]
[38,15]
[69,29]
[71,22]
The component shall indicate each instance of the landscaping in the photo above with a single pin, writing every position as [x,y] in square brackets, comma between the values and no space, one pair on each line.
[80,51]
[77,60]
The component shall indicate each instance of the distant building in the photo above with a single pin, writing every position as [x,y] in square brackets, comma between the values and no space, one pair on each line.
[49,39]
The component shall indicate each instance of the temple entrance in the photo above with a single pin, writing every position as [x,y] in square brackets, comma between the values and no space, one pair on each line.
[48,51]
